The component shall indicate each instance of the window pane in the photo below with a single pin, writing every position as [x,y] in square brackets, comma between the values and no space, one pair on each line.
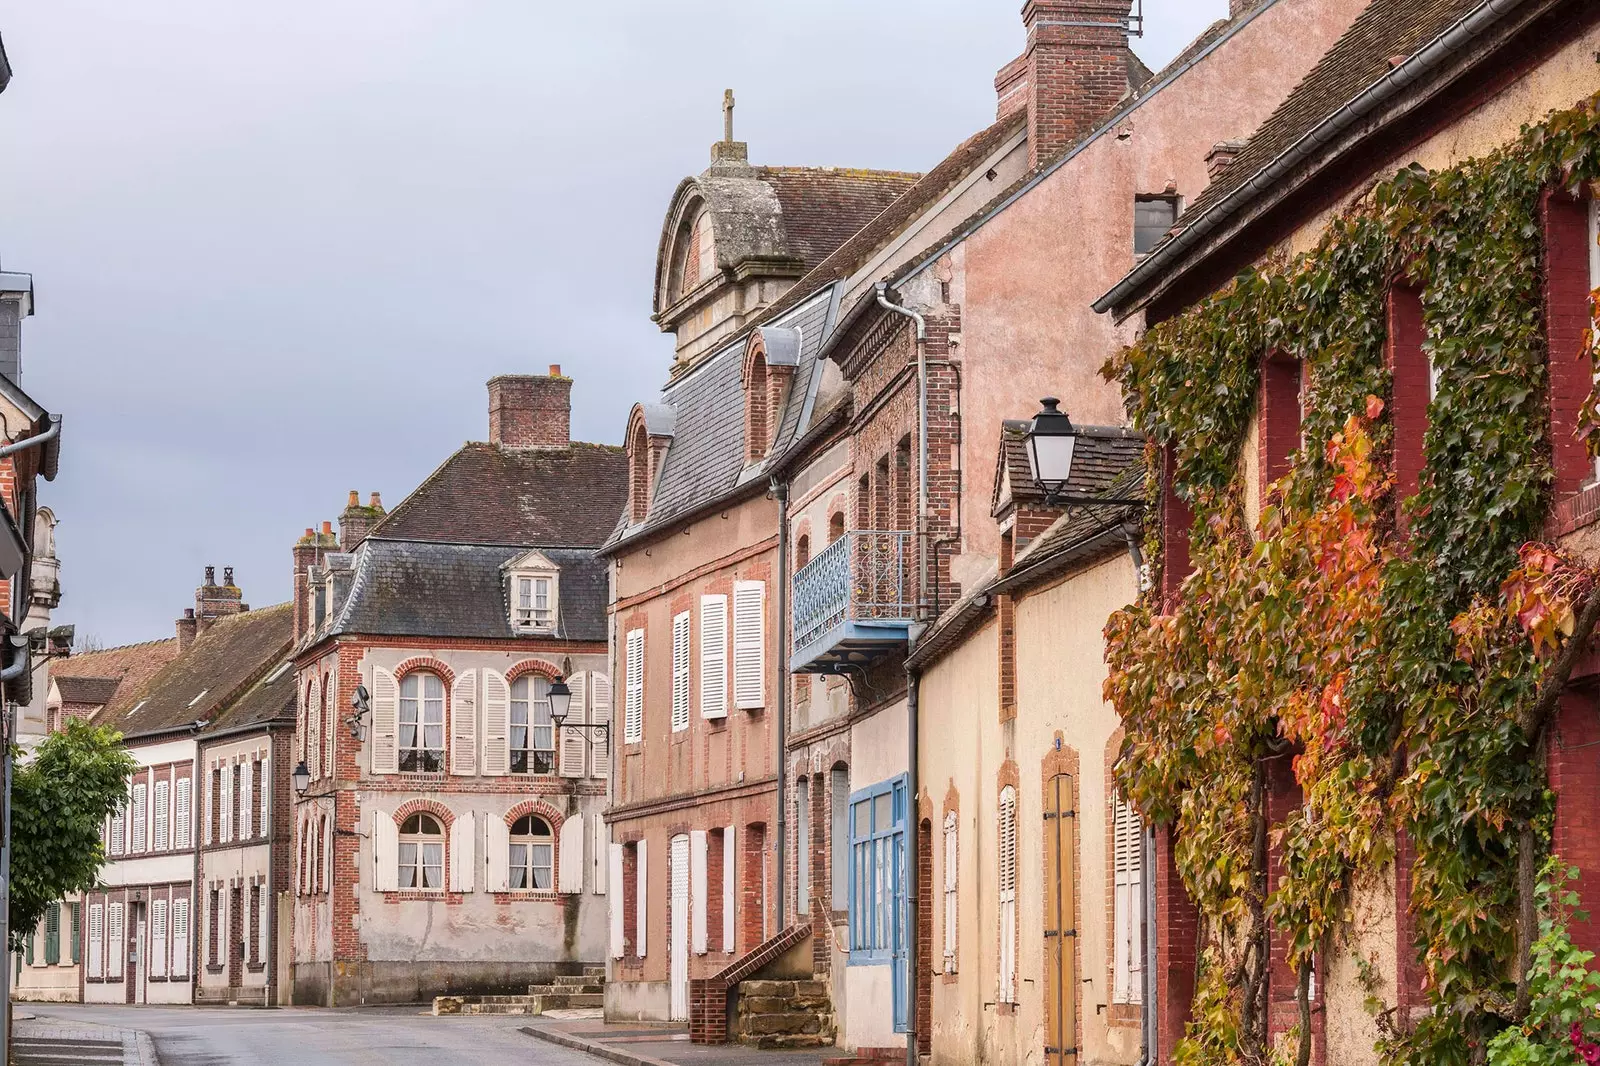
[433,687]
[882,818]
[519,760]
[519,736]
[433,736]
[432,865]
[544,737]
[541,866]
[519,713]
[1151,220]
[408,688]
[408,865]
[524,593]
[863,819]
[408,734]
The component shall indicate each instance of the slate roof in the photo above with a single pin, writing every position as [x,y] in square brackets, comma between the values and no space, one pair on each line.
[91,691]
[129,666]
[485,494]
[425,589]
[1101,454]
[706,459]
[222,664]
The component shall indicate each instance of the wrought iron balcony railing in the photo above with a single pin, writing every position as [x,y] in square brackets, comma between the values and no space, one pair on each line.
[861,577]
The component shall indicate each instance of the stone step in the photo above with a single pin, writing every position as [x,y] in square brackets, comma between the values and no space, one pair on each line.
[579,979]
[566,990]
[595,971]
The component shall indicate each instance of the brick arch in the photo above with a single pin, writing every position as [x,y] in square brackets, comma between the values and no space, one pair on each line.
[547,670]
[838,504]
[430,664]
[425,806]
[542,809]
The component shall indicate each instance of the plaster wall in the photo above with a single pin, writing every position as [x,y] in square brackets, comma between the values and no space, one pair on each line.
[245,864]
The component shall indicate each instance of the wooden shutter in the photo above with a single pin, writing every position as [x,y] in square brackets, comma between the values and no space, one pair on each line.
[247,800]
[161,811]
[158,938]
[569,871]
[600,714]
[180,937]
[714,656]
[116,943]
[573,752]
[614,876]
[729,880]
[633,699]
[639,898]
[1062,988]
[697,890]
[266,795]
[680,671]
[600,855]
[464,724]
[750,645]
[1008,896]
[183,805]
[385,723]
[496,724]
[225,820]
[951,856]
[97,934]
[76,910]
[52,935]
[1127,947]
[136,818]
[497,853]
[206,807]
[463,852]
[385,852]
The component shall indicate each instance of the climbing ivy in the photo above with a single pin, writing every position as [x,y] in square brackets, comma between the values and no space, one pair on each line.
[1398,650]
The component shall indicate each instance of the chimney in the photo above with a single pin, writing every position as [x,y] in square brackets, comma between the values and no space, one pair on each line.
[1222,154]
[1072,73]
[1239,7]
[309,551]
[531,411]
[357,521]
[213,601]
[188,628]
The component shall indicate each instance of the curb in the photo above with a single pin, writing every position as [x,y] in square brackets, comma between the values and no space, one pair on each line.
[566,1040]
[147,1050]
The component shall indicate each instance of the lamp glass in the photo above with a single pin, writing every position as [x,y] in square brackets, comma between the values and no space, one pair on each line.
[560,701]
[302,778]
[1052,439]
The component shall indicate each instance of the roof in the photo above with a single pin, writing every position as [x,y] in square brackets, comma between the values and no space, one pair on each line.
[271,699]
[1100,455]
[130,666]
[485,494]
[426,589]
[706,460]
[219,667]
[823,207]
[92,691]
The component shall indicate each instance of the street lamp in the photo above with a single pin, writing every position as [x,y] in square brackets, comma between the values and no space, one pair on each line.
[301,778]
[1052,442]
[358,718]
[561,703]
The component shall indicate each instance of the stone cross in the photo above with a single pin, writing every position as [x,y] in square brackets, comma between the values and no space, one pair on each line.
[727,116]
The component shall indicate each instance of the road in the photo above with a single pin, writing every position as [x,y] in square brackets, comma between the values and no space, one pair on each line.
[305,1036]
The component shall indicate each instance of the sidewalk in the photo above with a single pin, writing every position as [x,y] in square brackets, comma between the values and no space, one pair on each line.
[48,1042]
[632,1044]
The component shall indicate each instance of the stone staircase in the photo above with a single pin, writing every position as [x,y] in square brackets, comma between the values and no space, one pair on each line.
[565,992]
[784,1014]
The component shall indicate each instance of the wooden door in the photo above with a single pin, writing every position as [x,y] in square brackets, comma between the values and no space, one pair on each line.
[1060,921]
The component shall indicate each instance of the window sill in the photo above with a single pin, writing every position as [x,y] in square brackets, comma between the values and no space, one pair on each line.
[430,896]
[531,896]
[1124,1014]
[256,967]
[1577,511]
[872,958]
[214,969]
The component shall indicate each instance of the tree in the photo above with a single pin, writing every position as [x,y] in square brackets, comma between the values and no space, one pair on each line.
[59,802]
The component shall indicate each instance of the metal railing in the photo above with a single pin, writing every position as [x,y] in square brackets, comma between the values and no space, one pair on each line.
[860,577]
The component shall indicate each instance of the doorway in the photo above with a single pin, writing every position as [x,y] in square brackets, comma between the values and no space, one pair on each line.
[678,931]
[1060,921]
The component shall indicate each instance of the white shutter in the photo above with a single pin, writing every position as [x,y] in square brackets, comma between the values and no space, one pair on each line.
[463,852]
[680,671]
[158,938]
[180,937]
[97,940]
[496,724]
[264,926]
[247,799]
[602,848]
[183,817]
[573,750]
[1127,944]
[225,817]
[385,852]
[633,711]
[729,880]
[385,723]
[697,890]
[749,645]
[313,731]
[643,908]
[136,818]
[569,874]
[115,846]
[116,943]
[600,714]
[464,724]
[714,656]
[1008,896]
[325,859]
[497,853]
[266,795]
[615,876]
[952,853]
[162,812]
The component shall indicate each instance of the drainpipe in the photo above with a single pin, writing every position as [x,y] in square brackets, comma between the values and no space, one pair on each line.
[922,445]
[1147,1015]
[780,489]
[30,442]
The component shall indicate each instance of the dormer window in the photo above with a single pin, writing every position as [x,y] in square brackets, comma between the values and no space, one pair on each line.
[770,358]
[534,587]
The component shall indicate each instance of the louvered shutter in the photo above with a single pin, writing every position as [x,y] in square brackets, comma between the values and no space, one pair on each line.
[569,872]
[497,853]
[266,794]
[1008,896]
[180,937]
[464,724]
[385,852]
[496,724]
[136,819]
[951,855]
[600,854]
[729,880]
[116,944]
[314,730]
[183,812]
[225,821]
[697,891]
[750,645]
[642,868]
[1127,961]
[210,801]
[573,755]
[97,945]
[385,722]
[463,852]
[161,812]
[633,698]
[714,656]
[680,671]
[158,938]
[247,799]
[600,714]
[614,876]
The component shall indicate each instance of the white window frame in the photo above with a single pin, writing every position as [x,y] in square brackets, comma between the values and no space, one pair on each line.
[421,860]
[533,704]
[538,855]
[422,705]
[535,598]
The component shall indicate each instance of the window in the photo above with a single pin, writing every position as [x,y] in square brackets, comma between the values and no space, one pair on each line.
[713,656]
[213,925]
[116,947]
[951,857]
[680,672]
[532,854]
[836,525]
[1127,876]
[877,862]
[162,816]
[839,785]
[421,853]
[533,734]
[136,817]
[184,814]
[633,705]
[802,846]
[1153,216]
[158,938]
[180,937]
[97,935]
[422,723]
[533,593]
[255,924]
[1007,846]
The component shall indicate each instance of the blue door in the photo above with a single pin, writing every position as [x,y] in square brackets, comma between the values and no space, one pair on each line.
[880,927]
[902,929]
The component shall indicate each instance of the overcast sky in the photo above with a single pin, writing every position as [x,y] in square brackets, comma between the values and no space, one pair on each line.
[279,248]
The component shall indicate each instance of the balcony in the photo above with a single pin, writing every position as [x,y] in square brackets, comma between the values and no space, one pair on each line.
[853,603]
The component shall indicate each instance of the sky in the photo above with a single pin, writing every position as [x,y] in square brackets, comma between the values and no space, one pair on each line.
[278,249]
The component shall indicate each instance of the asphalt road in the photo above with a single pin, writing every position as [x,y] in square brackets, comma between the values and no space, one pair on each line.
[305,1036]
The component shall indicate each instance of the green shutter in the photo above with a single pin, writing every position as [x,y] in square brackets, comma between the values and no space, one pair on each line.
[29,952]
[77,930]
[52,935]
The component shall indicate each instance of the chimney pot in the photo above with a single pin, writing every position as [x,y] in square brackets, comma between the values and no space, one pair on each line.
[355,499]
[357,521]
[555,370]
[227,575]
[188,612]
[211,575]
[530,411]
[327,529]
[376,503]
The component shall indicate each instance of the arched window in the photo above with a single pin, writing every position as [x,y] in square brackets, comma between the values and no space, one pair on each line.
[757,416]
[422,723]
[639,475]
[421,852]
[835,526]
[802,551]
[532,854]
[533,739]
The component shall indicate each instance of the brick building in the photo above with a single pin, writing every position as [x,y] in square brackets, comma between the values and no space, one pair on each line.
[450,839]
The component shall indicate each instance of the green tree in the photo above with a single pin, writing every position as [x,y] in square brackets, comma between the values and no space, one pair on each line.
[60,800]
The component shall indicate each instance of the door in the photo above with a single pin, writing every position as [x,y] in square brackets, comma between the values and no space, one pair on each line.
[141,954]
[678,927]
[1060,934]
[893,869]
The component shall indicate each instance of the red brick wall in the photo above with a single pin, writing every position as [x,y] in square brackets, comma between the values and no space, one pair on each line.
[753,887]
[1566,296]
[1176,521]
[1408,368]
[1408,967]
[1279,436]
[531,411]
[1076,73]
[1177,924]
[1575,777]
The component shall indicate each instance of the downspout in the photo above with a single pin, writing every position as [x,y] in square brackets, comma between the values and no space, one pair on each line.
[780,489]
[1147,1013]
[922,446]
[39,438]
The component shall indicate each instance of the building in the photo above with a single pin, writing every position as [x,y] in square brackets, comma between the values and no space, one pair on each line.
[1415,104]
[451,839]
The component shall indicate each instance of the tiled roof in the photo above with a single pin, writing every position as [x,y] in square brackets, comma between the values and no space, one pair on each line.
[824,206]
[270,699]
[423,589]
[130,666]
[484,494]
[92,691]
[222,663]
[1080,524]
[706,459]
[1100,455]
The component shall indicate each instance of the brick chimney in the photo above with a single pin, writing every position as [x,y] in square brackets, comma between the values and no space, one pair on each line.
[357,521]
[309,551]
[1221,156]
[1072,73]
[531,410]
[213,601]
[188,629]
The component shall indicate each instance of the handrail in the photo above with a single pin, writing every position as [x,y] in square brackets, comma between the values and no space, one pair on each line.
[862,576]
